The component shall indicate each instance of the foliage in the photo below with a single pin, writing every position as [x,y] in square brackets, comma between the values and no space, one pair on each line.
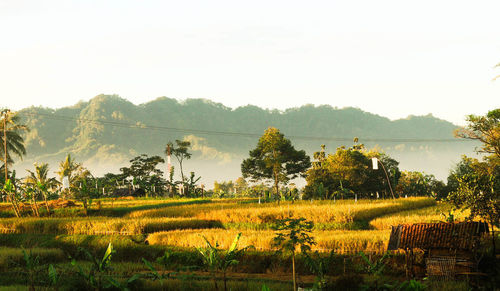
[54,277]
[96,275]
[223,188]
[411,285]
[377,266]
[478,192]
[10,191]
[180,151]
[320,265]
[276,159]
[413,183]
[155,274]
[31,267]
[479,187]
[217,260]
[290,234]
[144,172]
[11,140]
[348,171]
[485,129]
[241,186]
[74,171]
[41,183]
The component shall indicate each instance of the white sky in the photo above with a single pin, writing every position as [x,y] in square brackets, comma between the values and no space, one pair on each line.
[392,58]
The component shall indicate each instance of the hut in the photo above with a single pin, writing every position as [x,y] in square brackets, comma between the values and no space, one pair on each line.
[448,248]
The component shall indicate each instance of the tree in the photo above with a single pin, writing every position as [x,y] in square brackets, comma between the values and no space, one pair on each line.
[290,234]
[71,169]
[414,183]
[39,181]
[9,190]
[478,188]
[478,191]
[180,152]
[241,186]
[275,158]
[349,170]
[144,171]
[350,166]
[10,138]
[485,129]
[320,182]
[224,188]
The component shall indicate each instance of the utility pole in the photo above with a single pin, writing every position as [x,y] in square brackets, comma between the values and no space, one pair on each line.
[169,165]
[5,116]
[375,161]
[169,168]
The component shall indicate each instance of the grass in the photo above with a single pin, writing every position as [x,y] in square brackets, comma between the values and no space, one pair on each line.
[12,256]
[149,228]
[343,242]
[435,213]
[339,212]
[100,225]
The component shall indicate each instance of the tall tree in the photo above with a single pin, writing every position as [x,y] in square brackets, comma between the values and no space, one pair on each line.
[350,166]
[180,151]
[10,138]
[276,159]
[40,181]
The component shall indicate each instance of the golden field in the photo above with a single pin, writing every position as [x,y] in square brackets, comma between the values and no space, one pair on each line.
[184,222]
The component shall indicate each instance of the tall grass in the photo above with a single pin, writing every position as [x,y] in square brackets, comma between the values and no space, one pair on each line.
[342,242]
[13,257]
[345,211]
[436,213]
[100,225]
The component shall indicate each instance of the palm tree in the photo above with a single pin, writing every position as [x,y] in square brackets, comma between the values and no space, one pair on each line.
[10,138]
[69,168]
[38,180]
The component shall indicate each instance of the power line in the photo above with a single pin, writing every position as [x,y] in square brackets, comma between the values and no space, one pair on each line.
[236,134]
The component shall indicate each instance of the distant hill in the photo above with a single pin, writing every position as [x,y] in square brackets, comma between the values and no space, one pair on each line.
[107,131]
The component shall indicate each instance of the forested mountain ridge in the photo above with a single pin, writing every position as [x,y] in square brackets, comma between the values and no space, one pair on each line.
[110,130]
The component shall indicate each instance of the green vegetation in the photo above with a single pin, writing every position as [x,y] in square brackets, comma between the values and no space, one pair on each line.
[275,159]
[160,232]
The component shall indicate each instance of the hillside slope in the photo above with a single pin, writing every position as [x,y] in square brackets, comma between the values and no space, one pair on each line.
[108,130]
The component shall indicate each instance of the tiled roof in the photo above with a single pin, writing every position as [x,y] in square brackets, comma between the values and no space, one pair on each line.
[461,235]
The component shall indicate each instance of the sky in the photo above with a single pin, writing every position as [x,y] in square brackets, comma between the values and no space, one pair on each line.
[392,58]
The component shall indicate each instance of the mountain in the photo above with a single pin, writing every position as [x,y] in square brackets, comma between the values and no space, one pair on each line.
[107,131]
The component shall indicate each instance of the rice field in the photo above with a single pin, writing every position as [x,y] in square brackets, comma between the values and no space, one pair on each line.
[436,213]
[340,241]
[148,228]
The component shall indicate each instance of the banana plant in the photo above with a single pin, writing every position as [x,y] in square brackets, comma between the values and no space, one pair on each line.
[54,277]
[9,190]
[95,276]
[125,285]
[31,268]
[155,274]
[219,260]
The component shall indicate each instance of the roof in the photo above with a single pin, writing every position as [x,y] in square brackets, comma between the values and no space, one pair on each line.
[463,235]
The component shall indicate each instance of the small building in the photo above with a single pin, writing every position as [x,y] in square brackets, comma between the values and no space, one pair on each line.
[448,248]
